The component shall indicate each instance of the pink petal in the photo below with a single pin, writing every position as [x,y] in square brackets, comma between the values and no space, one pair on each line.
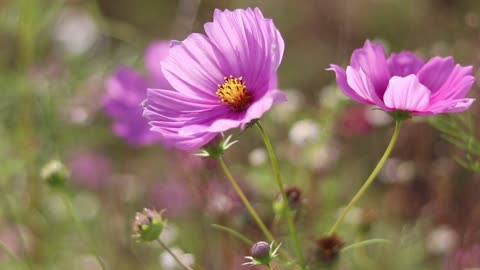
[195,67]
[404,63]
[373,61]
[251,45]
[406,93]
[434,73]
[341,77]
[175,101]
[126,89]
[228,120]
[457,85]
[171,138]
[154,54]
[261,106]
[361,84]
[450,106]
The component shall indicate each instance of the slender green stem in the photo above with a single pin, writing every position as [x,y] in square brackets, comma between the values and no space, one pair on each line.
[250,208]
[9,202]
[268,267]
[369,180]
[288,211]
[82,229]
[10,253]
[173,255]
[26,30]
[245,201]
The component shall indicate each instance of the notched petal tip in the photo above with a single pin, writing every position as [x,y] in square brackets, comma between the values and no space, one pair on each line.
[174,43]
[368,43]
[333,67]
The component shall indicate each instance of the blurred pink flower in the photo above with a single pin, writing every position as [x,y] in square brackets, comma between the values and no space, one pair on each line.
[90,169]
[403,82]
[126,89]
[463,259]
[172,195]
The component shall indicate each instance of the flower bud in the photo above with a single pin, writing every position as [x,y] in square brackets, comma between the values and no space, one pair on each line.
[148,225]
[55,173]
[260,251]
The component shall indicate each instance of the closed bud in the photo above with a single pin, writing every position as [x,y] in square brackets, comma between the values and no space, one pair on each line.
[262,253]
[148,225]
[55,173]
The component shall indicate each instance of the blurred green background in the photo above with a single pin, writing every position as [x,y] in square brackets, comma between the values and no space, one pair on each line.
[56,55]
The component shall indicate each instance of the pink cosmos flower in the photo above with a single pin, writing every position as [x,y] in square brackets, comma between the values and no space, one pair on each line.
[404,82]
[126,89]
[221,80]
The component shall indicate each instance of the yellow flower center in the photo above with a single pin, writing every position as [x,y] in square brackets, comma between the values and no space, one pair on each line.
[234,93]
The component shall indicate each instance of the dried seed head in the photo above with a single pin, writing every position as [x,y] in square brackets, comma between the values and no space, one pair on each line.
[294,196]
[328,248]
[148,225]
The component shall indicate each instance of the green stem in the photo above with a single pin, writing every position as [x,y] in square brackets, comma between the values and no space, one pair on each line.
[173,255]
[268,267]
[369,180]
[82,229]
[250,208]
[10,201]
[26,32]
[10,253]
[245,201]
[291,225]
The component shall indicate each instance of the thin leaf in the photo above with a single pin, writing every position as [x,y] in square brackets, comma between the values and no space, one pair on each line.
[365,243]
[233,233]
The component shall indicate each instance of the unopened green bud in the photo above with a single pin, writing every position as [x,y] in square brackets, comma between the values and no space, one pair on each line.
[148,225]
[55,173]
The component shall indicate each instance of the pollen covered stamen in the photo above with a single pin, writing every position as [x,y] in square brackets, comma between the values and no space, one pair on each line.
[234,93]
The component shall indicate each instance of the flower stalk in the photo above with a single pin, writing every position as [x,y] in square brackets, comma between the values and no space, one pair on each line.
[10,253]
[244,199]
[369,180]
[83,230]
[288,211]
[183,265]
